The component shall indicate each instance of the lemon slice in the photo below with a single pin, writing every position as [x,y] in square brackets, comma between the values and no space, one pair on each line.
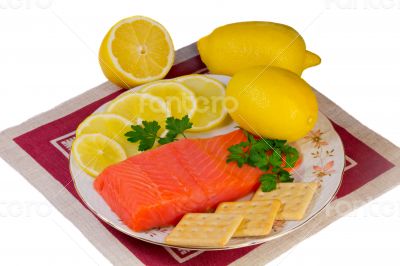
[112,126]
[95,152]
[210,94]
[136,50]
[138,107]
[179,99]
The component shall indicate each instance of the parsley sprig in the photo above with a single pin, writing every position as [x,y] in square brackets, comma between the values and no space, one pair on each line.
[175,128]
[269,155]
[147,133]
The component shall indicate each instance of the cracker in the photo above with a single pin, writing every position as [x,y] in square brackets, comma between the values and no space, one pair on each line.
[204,230]
[259,216]
[295,198]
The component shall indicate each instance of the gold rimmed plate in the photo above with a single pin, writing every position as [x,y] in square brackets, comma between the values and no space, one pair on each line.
[323,162]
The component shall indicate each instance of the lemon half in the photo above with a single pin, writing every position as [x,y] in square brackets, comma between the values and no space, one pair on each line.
[136,50]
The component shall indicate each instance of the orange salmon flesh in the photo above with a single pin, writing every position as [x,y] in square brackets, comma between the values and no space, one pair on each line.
[157,187]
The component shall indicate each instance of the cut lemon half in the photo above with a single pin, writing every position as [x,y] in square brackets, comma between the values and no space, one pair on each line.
[210,95]
[95,152]
[179,99]
[138,107]
[136,50]
[112,126]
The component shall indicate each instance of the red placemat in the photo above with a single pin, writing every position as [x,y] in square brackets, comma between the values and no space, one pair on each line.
[44,143]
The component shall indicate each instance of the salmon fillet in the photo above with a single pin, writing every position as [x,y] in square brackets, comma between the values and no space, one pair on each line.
[156,188]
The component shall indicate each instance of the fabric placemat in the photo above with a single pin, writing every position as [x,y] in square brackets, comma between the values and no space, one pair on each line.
[39,149]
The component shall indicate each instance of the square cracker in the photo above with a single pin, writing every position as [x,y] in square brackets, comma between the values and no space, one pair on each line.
[295,198]
[259,216]
[204,230]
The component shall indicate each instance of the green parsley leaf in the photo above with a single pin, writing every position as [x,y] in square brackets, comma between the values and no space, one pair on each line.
[260,146]
[175,127]
[276,169]
[276,158]
[257,155]
[251,139]
[261,161]
[285,177]
[166,140]
[268,182]
[291,155]
[145,134]
[267,155]
[278,144]
[238,154]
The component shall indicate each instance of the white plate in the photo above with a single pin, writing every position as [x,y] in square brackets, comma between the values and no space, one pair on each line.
[323,162]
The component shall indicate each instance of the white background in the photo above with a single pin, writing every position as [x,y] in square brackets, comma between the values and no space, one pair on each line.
[48,54]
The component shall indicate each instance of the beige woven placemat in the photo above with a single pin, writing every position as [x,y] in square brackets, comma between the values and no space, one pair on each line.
[43,161]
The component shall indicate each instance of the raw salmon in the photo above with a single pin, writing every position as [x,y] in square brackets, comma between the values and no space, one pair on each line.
[156,188]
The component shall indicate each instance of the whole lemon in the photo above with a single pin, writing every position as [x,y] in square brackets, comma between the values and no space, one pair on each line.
[272,102]
[237,46]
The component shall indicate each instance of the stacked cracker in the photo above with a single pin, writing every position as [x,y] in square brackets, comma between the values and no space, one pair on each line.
[289,201]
